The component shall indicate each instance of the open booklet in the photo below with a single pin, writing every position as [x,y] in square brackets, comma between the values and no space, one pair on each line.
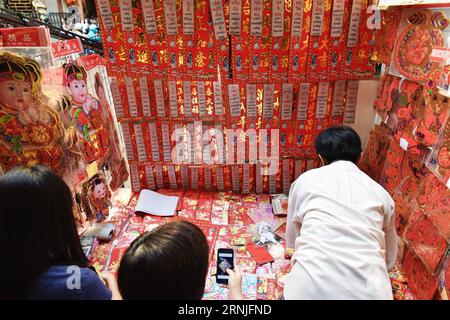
[155,203]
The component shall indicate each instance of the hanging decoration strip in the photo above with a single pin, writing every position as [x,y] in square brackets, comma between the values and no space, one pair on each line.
[409,151]
[181,67]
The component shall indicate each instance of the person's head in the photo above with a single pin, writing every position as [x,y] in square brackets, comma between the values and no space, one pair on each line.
[338,143]
[99,188]
[169,262]
[37,228]
[75,79]
[18,77]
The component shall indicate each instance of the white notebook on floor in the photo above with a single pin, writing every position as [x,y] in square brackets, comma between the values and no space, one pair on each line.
[157,204]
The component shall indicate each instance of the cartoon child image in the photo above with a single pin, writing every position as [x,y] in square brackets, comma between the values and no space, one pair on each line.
[85,114]
[29,128]
[173,60]
[300,140]
[314,61]
[275,62]
[225,64]
[132,56]
[96,198]
[283,139]
[295,63]
[334,59]
[189,59]
[154,58]
[211,61]
[349,57]
[255,61]
[239,63]
[111,55]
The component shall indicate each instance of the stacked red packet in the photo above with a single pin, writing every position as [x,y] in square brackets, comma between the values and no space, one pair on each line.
[205,195]
[246,265]
[239,235]
[187,213]
[266,287]
[132,232]
[211,232]
[422,283]
[222,196]
[423,237]
[280,205]
[137,219]
[219,213]
[238,213]
[150,219]
[116,256]
[100,256]
[264,269]
[241,252]
[249,286]
[276,250]
[203,210]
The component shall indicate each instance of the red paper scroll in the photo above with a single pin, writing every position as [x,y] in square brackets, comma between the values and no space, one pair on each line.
[299,42]
[319,40]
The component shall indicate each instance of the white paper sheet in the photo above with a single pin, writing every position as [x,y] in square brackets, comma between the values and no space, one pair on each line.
[155,203]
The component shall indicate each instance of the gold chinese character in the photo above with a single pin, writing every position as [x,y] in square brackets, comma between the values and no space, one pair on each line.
[284,61]
[199,60]
[141,39]
[143,56]
[121,53]
[308,5]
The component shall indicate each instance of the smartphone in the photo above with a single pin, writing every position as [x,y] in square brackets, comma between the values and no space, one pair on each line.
[225,260]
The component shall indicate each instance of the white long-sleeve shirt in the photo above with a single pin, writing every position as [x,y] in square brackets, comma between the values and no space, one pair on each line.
[342,226]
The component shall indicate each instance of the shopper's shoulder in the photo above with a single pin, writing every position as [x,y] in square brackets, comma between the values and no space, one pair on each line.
[89,273]
[374,185]
[315,173]
[66,270]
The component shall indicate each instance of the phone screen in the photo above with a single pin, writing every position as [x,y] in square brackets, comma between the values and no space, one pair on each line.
[225,260]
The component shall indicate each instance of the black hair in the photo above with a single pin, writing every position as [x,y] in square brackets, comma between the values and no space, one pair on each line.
[37,228]
[169,263]
[20,64]
[339,143]
[12,66]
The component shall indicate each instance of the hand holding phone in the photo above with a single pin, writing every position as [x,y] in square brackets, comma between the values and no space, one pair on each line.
[225,260]
[235,284]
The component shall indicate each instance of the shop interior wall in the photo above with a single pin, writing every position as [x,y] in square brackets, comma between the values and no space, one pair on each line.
[365,112]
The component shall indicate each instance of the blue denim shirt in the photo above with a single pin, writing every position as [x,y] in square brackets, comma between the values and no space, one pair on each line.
[69,282]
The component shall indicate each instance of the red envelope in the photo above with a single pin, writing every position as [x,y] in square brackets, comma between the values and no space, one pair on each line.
[260,254]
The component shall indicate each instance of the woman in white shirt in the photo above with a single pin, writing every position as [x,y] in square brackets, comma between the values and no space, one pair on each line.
[342,226]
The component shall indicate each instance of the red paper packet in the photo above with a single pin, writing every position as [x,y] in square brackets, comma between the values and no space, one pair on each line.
[265,289]
[246,265]
[259,253]
[435,201]
[422,283]
[425,240]
[100,255]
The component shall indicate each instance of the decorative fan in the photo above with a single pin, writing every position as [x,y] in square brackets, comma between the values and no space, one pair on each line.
[414,46]
[439,20]
[417,18]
